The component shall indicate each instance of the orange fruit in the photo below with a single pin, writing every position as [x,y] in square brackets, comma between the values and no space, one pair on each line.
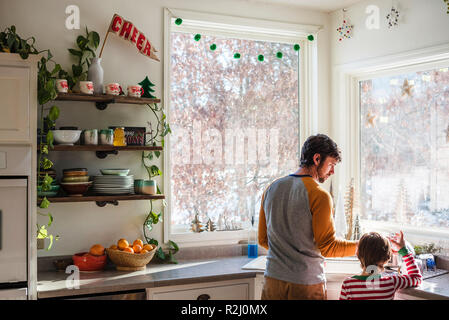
[97,250]
[122,244]
[113,247]
[137,248]
[148,247]
[143,251]
[139,242]
[128,249]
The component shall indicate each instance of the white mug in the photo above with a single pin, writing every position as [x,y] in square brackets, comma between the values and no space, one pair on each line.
[113,88]
[87,87]
[135,91]
[62,85]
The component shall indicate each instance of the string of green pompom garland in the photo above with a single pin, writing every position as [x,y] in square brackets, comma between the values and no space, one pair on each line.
[260,57]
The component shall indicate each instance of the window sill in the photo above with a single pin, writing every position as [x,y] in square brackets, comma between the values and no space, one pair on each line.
[209,238]
[416,235]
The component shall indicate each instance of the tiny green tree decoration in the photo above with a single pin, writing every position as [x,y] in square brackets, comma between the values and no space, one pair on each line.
[147,88]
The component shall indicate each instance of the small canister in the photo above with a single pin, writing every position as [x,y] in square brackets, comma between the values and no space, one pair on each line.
[149,187]
[91,137]
[119,137]
[107,137]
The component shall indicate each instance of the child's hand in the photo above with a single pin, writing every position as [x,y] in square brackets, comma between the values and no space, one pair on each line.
[397,244]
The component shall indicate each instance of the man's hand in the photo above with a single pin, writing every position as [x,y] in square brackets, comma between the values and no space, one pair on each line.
[397,241]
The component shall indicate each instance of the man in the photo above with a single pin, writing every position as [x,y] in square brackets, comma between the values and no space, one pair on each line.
[296,226]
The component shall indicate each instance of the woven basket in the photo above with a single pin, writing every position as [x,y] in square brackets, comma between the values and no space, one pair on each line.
[126,261]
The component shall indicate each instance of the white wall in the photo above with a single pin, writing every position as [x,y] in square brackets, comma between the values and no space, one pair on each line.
[84,224]
[422,24]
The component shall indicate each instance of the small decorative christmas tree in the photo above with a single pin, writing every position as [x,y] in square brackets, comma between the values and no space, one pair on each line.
[210,225]
[357,229]
[147,88]
[350,205]
[196,225]
[402,209]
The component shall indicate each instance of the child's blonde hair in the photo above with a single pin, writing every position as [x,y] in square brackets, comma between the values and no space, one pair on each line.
[373,249]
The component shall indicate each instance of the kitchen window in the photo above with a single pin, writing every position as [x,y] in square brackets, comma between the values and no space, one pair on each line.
[393,126]
[234,107]
[405,148]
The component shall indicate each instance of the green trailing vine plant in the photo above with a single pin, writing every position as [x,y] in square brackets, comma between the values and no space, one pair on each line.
[87,45]
[153,138]
[11,42]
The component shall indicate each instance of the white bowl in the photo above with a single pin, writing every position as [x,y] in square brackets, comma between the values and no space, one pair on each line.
[66,137]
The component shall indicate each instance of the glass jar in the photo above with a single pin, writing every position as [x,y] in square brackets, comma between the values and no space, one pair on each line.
[119,137]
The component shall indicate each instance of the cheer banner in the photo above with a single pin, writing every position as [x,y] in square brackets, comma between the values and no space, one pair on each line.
[128,31]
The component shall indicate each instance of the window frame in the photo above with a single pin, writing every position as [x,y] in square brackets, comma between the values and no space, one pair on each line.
[346,123]
[252,29]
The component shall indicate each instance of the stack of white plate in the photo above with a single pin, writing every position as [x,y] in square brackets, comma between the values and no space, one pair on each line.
[113,184]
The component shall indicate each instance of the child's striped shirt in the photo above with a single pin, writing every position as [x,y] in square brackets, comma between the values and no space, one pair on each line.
[382,287]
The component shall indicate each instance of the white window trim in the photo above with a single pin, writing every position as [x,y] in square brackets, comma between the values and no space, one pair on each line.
[346,119]
[255,29]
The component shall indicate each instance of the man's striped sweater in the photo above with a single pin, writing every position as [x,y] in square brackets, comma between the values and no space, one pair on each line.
[382,287]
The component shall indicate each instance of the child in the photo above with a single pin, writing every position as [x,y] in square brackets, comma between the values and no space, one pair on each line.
[373,252]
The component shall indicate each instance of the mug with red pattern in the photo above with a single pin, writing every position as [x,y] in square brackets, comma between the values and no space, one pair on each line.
[135,91]
[114,89]
[62,85]
[87,87]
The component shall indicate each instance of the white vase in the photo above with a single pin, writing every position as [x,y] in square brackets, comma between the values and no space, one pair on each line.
[95,74]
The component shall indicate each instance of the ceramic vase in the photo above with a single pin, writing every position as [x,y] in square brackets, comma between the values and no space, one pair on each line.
[95,74]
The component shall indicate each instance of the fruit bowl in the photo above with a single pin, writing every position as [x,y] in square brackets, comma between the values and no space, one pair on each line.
[88,262]
[66,137]
[126,261]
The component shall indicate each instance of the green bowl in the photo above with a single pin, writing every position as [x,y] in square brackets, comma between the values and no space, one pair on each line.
[117,172]
[53,192]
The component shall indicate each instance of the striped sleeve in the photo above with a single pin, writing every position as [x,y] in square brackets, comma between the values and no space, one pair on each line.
[413,278]
[343,292]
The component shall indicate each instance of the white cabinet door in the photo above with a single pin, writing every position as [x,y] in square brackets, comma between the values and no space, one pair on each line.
[221,290]
[13,230]
[14,104]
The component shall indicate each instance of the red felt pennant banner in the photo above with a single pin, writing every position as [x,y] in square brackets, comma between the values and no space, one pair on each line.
[128,31]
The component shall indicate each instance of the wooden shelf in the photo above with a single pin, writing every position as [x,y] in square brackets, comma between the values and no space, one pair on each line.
[103,200]
[103,150]
[58,147]
[102,100]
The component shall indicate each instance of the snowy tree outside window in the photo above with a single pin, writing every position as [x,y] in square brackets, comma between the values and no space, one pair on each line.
[235,125]
[404,148]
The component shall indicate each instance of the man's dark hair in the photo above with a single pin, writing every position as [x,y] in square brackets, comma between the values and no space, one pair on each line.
[373,250]
[321,144]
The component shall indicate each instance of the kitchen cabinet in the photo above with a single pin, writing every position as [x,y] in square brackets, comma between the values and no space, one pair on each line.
[18,158]
[240,289]
[18,92]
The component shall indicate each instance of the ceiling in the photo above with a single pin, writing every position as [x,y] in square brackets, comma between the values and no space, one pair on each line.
[318,5]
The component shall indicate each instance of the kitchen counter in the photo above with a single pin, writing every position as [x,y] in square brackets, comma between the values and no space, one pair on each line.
[52,284]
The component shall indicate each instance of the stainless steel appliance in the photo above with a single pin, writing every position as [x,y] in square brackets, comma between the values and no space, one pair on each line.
[15,164]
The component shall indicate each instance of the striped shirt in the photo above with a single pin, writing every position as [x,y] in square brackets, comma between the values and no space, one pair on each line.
[382,287]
